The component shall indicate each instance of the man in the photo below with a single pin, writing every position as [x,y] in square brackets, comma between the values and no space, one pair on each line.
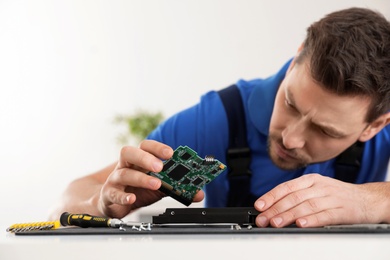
[333,93]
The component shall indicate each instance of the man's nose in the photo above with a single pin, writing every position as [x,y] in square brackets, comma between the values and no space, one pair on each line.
[294,135]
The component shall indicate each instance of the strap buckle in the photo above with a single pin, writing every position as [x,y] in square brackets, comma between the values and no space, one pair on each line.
[238,160]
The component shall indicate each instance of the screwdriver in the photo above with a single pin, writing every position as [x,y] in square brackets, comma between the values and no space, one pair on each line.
[68,219]
[86,220]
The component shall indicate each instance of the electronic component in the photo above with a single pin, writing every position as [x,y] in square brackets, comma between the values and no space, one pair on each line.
[186,173]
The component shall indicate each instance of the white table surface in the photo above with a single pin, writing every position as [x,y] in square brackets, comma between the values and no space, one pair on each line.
[230,246]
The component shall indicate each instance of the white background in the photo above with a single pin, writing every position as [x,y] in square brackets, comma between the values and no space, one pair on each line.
[68,67]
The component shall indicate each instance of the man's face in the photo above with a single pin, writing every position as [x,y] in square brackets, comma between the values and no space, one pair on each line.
[310,124]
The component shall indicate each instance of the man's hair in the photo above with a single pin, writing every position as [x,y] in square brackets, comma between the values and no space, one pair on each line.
[348,53]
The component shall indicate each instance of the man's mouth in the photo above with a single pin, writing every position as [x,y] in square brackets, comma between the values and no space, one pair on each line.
[284,154]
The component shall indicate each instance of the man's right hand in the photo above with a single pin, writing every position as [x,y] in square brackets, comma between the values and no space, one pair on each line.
[128,187]
[119,189]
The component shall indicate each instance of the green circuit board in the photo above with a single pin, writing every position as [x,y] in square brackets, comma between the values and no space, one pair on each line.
[186,173]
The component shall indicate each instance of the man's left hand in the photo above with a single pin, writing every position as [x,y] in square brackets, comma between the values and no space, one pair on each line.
[314,200]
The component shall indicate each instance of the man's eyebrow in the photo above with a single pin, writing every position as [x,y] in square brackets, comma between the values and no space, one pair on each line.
[330,130]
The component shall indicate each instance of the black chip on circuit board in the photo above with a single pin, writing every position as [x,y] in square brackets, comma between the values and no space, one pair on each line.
[178,172]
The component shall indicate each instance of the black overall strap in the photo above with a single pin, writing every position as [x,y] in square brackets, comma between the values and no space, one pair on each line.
[347,164]
[238,156]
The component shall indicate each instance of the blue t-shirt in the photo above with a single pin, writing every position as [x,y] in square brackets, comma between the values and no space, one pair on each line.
[204,128]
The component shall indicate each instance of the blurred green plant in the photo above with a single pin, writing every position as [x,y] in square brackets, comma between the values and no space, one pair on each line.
[138,125]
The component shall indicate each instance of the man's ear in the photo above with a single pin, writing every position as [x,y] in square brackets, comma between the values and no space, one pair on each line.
[375,127]
[300,48]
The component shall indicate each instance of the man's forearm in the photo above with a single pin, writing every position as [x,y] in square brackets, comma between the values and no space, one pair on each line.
[82,195]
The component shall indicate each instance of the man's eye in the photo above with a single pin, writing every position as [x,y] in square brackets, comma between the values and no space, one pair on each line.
[324,132]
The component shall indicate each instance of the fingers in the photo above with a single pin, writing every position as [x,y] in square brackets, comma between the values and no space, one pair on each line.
[308,201]
[118,196]
[199,196]
[148,157]
[132,178]
[128,180]
[160,150]
[127,189]
[122,183]
[319,219]
[311,212]
[293,206]
[282,190]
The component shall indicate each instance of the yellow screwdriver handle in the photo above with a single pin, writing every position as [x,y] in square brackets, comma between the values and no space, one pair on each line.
[84,220]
